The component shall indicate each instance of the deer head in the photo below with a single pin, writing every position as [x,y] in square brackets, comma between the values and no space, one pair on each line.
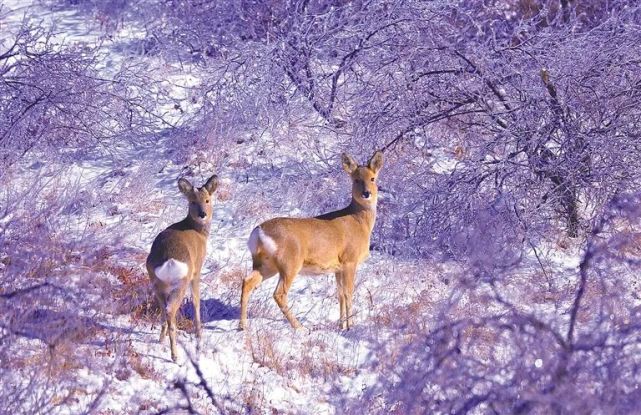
[364,187]
[200,199]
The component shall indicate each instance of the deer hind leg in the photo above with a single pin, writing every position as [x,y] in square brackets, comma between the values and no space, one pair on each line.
[250,282]
[163,330]
[340,289]
[280,295]
[160,298]
[173,304]
[253,280]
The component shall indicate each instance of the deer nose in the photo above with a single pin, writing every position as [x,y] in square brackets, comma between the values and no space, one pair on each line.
[366,195]
[202,214]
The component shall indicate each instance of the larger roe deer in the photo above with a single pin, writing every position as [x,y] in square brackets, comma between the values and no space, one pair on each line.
[334,242]
[177,256]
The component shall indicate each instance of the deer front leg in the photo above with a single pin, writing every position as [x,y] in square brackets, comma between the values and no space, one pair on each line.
[280,295]
[342,321]
[160,298]
[349,274]
[163,330]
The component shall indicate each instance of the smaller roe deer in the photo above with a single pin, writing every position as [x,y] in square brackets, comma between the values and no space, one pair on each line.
[177,256]
[334,242]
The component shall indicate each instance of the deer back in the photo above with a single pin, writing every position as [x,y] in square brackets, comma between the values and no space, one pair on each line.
[180,243]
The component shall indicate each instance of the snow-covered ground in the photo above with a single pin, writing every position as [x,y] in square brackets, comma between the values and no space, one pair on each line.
[270,366]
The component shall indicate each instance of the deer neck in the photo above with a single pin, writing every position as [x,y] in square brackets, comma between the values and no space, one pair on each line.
[364,214]
[200,227]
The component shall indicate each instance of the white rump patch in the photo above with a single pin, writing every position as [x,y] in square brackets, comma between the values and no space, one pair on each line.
[258,235]
[172,271]
[252,243]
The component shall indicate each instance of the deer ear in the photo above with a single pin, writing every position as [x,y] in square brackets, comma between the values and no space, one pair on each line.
[185,187]
[376,162]
[212,184]
[349,164]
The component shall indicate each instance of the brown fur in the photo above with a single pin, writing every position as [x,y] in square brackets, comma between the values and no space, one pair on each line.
[184,241]
[336,242]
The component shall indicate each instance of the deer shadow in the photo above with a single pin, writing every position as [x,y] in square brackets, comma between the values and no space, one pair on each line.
[211,309]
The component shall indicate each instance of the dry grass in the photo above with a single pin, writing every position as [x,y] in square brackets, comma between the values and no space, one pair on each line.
[135,362]
[314,358]
[264,351]
[256,207]
[404,312]
[253,397]
[224,192]
[628,244]
[231,278]
[321,360]
[133,294]
[480,342]
[58,363]
[539,290]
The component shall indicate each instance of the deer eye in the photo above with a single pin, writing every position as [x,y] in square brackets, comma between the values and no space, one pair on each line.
[372,179]
[207,201]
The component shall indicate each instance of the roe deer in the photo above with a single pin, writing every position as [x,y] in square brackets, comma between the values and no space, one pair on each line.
[177,256]
[334,242]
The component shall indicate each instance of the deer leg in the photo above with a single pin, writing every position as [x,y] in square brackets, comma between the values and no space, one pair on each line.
[195,292]
[173,304]
[342,321]
[252,281]
[163,315]
[171,326]
[349,275]
[280,295]
[163,330]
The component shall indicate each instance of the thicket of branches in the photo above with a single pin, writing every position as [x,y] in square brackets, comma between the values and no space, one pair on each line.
[57,97]
[506,342]
[60,105]
[530,105]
